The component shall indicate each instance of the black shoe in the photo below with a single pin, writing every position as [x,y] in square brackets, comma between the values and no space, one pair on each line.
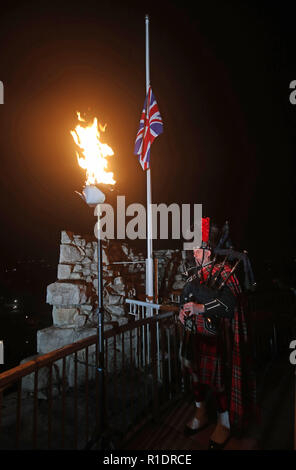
[215,446]
[190,432]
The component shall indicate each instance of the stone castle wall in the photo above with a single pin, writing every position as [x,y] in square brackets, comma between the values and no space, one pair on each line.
[74,294]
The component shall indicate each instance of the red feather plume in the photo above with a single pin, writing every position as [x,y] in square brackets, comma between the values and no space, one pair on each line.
[205,227]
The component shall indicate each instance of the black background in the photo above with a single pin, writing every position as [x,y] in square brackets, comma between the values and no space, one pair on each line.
[220,72]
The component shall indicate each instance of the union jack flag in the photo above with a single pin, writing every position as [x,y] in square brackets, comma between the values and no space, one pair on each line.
[151,126]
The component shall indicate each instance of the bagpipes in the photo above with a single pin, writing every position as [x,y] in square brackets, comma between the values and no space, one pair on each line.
[230,255]
[195,291]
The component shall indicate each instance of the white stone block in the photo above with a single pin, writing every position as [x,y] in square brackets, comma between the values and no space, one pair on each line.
[63,316]
[52,338]
[66,237]
[118,280]
[114,299]
[122,321]
[79,320]
[116,310]
[76,276]
[94,267]
[84,333]
[70,254]
[86,309]
[64,271]
[28,381]
[77,268]
[66,294]
[80,242]
[86,271]
[105,259]
[89,253]
[119,289]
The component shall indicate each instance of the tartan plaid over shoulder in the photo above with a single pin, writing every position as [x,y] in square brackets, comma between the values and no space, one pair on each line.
[212,356]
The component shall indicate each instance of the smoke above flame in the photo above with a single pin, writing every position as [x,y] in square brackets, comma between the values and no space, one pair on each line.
[92,155]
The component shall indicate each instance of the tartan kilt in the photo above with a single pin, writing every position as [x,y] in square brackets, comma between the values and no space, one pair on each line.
[207,365]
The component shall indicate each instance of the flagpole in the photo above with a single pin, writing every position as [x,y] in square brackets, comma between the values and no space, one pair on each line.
[149,260]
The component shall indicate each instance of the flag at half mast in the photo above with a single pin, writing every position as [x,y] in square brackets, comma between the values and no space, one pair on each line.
[151,126]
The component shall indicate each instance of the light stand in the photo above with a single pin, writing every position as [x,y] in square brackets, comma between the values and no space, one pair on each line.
[93,196]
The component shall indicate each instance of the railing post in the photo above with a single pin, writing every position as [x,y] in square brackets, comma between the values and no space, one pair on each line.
[49,422]
[35,409]
[158,351]
[169,360]
[1,400]
[18,413]
[63,401]
[156,280]
[154,370]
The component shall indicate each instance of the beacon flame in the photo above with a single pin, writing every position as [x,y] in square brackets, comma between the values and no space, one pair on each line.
[93,154]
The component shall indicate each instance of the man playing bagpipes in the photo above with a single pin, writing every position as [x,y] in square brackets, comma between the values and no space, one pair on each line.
[215,342]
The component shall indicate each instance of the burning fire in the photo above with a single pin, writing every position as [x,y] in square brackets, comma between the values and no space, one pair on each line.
[94,152]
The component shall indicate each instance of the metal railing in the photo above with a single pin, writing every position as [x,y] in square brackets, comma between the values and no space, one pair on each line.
[142,309]
[53,401]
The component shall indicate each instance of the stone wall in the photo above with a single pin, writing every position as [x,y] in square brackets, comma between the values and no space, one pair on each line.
[74,294]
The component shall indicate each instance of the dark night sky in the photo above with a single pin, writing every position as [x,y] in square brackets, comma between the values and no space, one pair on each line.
[221,75]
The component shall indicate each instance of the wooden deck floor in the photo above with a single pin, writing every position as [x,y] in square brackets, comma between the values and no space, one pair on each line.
[168,434]
[275,431]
